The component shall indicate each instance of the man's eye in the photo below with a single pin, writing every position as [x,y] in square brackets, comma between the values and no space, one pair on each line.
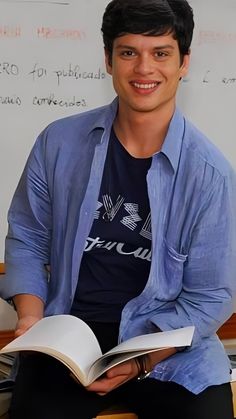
[161,54]
[127,53]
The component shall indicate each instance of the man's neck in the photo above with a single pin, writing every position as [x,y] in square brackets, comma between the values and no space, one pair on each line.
[142,134]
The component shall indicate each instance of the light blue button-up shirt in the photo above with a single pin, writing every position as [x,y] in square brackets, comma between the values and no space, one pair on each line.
[192,197]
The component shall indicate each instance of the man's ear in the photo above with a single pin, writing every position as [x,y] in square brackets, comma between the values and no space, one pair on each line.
[185,65]
[108,61]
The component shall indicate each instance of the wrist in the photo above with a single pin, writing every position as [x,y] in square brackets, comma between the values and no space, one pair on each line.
[144,368]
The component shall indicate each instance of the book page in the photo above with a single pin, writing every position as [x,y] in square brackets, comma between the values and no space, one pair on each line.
[65,337]
[170,338]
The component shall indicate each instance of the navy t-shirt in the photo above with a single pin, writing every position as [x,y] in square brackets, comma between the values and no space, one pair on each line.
[117,256]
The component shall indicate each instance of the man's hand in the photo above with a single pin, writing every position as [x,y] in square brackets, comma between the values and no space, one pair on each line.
[24,324]
[124,372]
[30,310]
[116,376]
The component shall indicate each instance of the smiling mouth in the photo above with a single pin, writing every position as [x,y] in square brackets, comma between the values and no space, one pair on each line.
[146,86]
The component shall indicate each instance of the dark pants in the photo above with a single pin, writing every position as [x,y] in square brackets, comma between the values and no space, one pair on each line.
[44,389]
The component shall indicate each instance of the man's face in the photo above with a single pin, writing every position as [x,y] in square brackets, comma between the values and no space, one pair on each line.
[146,71]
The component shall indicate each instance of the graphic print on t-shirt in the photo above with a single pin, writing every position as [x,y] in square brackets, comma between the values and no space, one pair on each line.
[111,208]
[117,255]
[130,221]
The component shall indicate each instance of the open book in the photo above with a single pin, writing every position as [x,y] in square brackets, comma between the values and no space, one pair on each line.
[71,341]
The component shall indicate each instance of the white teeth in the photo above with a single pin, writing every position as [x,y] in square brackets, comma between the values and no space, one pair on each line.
[145,85]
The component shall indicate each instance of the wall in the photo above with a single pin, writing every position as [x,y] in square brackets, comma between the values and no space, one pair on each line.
[208,94]
[52,65]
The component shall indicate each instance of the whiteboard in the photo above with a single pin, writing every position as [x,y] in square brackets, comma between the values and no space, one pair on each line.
[52,65]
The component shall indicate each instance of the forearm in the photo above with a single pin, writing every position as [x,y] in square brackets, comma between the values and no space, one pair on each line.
[28,305]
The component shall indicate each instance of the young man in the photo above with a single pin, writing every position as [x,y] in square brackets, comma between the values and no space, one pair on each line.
[133,209]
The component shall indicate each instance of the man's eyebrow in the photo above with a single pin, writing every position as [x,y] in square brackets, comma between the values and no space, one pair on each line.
[119,46]
[167,46]
[158,47]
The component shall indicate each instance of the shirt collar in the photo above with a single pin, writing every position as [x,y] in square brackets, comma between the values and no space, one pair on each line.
[106,116]
[173,141]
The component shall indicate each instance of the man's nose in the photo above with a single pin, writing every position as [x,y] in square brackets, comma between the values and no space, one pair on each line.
[144,65]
